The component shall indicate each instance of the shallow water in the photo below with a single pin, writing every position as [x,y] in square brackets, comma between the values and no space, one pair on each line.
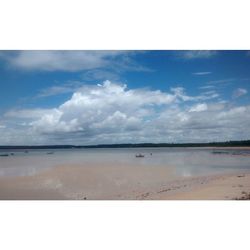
[183,162]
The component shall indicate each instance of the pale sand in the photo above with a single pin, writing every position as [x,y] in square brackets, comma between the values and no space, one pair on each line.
[121,183]
[221,187]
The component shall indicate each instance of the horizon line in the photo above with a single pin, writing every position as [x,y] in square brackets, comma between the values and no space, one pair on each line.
[131,144]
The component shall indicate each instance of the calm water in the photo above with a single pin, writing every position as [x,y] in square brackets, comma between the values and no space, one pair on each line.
[183,161]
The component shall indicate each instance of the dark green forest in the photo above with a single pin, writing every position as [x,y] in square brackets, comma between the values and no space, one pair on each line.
[245,143]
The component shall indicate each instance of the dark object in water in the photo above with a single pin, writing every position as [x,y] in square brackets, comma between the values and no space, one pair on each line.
[50,153]
[26,151]
[139,155]
[11,153]
[237,153]
[4,155]
[220,152]
[241,175]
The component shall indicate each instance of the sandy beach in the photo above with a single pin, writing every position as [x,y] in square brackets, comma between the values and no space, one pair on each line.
[122,183]
[221,187]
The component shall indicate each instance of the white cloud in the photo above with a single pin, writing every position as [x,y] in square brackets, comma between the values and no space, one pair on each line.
[55,90]
[57,60]
[94,106]
[198,107]
[27,113]
[197,54]
[207,87]
[222,81]
[113,113]
[100,74]
[68,87]
[239,92]
[217,84]
[202,73]
[71,61]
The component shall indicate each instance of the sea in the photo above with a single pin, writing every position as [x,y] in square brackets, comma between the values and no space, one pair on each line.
[183,162]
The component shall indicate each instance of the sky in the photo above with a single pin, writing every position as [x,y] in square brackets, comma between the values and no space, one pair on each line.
[104,97]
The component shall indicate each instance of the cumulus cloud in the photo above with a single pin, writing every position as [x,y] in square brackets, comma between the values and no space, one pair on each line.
[95,107]
[239,92]
[113,113]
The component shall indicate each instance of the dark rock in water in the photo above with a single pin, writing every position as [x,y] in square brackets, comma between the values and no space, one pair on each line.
[4,155]
[220,152]
[241,175]
[139,155]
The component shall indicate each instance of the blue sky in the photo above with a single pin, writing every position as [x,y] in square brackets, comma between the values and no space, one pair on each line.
[89,97]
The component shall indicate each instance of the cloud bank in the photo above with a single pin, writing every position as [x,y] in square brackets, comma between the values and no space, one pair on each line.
[113,113]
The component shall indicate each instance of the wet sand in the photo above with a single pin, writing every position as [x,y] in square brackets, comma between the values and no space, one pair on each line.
[83,182]
[122,183]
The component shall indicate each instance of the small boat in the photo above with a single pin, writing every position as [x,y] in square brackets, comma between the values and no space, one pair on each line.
[4,155]
[139,155]
[50,153]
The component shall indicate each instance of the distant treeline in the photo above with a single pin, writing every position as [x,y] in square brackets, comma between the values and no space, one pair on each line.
[138,145]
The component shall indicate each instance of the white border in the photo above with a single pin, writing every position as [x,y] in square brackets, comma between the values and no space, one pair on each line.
[130,24]
[125,225]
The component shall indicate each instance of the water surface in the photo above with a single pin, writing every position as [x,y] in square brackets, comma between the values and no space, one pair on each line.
[183,162]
